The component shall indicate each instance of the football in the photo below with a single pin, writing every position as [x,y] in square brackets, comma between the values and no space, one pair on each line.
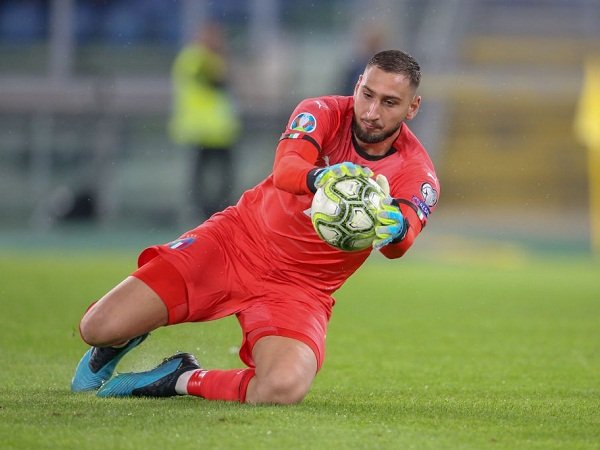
[343,212]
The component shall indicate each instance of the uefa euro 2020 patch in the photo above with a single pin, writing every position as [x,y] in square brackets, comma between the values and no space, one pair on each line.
[304,122]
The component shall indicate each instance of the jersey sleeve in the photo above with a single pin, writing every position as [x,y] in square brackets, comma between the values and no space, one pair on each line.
[301,143]
[293,162]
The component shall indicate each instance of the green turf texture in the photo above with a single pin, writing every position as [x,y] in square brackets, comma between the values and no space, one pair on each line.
[421,354]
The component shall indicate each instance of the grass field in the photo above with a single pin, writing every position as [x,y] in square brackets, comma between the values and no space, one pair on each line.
[421,354]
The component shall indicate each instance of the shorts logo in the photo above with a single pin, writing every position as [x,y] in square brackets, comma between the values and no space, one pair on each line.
[304,122]
[180,244]
[430,195]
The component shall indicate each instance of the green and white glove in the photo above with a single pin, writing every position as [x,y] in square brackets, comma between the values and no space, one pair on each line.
[322,176]
[392,225]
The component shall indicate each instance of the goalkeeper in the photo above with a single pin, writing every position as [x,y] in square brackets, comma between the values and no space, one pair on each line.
[262,261]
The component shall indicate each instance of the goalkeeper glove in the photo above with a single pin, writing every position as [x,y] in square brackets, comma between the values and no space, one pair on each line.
[322,176]
[392,225]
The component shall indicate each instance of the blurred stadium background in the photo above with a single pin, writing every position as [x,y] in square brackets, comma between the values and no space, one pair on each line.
[85,97]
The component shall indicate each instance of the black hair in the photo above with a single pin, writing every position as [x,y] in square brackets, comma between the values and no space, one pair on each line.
[396,61]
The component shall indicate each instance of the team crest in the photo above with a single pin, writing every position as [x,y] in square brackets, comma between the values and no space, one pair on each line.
[304,122]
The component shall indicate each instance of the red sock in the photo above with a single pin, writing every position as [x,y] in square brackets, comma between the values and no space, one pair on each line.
[230,385]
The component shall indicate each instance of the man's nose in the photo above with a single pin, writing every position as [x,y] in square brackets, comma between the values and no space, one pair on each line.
[373,111]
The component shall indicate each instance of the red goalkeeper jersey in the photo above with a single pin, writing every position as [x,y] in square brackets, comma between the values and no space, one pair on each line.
[275,212]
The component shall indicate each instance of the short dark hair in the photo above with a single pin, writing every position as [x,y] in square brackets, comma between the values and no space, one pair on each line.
[396,61]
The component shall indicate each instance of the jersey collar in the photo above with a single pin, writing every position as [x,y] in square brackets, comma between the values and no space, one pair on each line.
[363,154]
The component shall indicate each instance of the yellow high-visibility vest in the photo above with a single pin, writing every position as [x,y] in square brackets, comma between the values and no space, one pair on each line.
[203,113]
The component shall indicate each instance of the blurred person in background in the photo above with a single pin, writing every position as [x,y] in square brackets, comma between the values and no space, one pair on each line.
[262,261]
[372,40]
[204,118]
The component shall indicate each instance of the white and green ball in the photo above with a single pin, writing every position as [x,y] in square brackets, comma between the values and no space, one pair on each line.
[343,212]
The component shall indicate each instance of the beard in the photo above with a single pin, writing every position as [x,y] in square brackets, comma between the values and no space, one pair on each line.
[373,137]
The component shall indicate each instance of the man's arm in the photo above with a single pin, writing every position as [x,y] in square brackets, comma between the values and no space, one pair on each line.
[398,223]
[396,250]
[294,159]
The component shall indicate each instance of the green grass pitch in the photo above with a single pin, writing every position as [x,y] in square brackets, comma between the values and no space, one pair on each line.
[421,354]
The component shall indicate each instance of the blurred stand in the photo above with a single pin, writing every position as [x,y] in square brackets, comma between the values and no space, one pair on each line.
[85,95]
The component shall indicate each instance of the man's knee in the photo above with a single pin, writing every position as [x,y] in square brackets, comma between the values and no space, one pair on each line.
[130,309]
[283,386]
[89,331]
[94,329]
[285,369]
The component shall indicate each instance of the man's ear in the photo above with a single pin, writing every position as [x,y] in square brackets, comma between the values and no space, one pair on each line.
[357,84]
[413,109]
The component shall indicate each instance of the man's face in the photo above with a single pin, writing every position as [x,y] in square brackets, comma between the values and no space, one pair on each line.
[382,101]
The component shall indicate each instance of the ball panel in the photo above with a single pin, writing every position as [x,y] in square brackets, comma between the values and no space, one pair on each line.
[329,233]
[349,188]
[359,219]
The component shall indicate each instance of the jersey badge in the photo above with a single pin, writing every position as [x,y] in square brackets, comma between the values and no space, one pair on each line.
[430,195]
[304,122]
[423,210]
[291,136]
[180,244]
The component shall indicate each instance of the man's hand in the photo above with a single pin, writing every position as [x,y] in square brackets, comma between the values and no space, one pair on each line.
[392,225]
[340,170]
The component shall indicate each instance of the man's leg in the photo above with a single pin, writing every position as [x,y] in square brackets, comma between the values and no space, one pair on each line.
[114,325]
[127,311]
[216,180]
[285,369]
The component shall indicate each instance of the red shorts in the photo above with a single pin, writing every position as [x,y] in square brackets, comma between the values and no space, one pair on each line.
[206,275]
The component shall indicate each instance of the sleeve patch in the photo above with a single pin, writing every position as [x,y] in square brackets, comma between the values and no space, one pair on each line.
[304,122]
[430,195]
[423,210]
[291,136]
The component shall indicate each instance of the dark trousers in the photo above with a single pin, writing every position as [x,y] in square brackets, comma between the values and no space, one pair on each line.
[213,180]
